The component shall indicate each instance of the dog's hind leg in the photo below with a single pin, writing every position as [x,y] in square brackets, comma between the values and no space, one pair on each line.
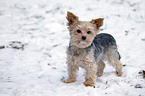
[114,61]
[100,68]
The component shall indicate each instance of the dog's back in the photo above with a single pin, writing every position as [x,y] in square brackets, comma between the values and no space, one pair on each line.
[102,43]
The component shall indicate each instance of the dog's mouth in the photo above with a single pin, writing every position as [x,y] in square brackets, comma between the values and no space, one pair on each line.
[83,44]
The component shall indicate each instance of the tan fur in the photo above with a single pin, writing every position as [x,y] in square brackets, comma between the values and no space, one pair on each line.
[101,66]
[115,63]
[79,57]
[74,24]
[85,61]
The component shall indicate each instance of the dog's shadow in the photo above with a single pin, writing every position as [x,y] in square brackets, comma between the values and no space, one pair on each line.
[109,73]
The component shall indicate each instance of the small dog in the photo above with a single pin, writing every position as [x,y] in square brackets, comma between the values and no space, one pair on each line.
[88,49]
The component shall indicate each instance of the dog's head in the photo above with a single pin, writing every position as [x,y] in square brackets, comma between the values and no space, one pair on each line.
[82,32]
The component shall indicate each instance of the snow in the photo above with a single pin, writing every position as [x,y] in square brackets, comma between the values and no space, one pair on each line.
[35,37]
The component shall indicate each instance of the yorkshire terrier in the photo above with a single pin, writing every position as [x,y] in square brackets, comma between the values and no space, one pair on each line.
[88,50]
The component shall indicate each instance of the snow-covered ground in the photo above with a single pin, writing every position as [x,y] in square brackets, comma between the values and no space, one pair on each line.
[34,38]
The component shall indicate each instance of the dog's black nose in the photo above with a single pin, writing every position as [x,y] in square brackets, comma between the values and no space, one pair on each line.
[83,37]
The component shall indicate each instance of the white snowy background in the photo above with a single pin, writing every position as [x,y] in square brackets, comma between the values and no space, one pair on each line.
[34,38]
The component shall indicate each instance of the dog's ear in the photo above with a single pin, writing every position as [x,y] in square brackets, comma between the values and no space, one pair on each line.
[98,22]
[71,18]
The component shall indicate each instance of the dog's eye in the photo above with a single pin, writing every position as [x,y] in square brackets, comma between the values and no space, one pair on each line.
[79,31]
[88,32]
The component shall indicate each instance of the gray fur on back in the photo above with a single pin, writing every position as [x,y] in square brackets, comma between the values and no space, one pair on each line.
[102,43]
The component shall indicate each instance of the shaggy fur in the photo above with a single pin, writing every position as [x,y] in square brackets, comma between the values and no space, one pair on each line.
[88,49]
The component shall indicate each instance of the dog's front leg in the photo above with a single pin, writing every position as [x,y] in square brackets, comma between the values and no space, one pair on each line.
[71,68]
[90,74]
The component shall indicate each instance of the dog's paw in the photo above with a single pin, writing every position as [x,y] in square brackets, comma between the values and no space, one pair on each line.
[89,83]
[99,74]
[68,81]
[119,73]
